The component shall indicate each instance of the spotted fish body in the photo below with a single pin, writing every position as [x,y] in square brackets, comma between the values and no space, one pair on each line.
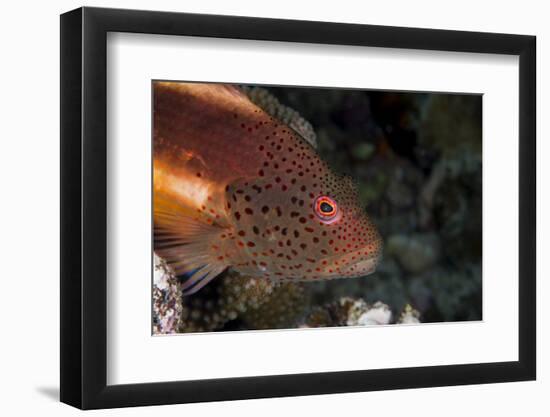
[235,188]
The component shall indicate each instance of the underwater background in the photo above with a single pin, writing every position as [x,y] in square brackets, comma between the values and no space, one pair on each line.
[416,158]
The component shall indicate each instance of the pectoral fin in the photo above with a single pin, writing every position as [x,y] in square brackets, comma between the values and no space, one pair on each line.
[188,244]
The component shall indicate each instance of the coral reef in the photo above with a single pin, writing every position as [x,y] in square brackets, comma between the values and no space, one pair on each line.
[349,312]
[234,302]
[167,300]
[286,306]
[223,301]
[409,316]
[238,303]
[285,114]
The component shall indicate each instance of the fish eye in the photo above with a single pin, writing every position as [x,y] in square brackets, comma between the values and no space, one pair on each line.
[325,208]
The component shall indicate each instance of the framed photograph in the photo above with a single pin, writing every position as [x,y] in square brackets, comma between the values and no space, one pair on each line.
[257,208]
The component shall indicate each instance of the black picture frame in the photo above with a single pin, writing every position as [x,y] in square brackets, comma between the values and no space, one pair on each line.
[84,207]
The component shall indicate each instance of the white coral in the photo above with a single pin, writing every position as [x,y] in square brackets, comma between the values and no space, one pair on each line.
[361,314]
[409,316]
[166,299]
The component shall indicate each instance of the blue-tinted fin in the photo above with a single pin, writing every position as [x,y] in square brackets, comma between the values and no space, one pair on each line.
[188,245]
[200,277]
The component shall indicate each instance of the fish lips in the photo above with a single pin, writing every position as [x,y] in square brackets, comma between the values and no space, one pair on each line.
[353,269]
[363,267]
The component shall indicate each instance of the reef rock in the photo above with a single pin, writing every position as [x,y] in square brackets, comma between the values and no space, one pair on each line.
[167,305]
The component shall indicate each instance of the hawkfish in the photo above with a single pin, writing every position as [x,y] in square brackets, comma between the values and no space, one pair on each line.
[234,187]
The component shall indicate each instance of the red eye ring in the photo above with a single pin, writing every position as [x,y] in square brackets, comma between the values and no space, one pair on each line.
[325,208]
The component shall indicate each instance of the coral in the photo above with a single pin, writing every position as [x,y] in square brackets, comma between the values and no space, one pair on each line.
[409,316]
[269,103]
[237,302]
[167,308]
[378,313]
[224,300]
[283,309]
[348,311]
[234,301]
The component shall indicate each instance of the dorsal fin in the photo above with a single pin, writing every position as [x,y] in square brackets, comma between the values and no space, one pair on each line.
[271,105]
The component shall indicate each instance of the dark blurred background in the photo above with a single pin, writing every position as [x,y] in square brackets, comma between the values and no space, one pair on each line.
[417,160]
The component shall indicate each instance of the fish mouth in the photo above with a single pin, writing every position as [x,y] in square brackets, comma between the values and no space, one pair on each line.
[361,268]
[347,267]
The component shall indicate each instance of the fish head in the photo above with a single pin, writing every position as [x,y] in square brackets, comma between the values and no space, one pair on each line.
[302,224]
[349,242]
